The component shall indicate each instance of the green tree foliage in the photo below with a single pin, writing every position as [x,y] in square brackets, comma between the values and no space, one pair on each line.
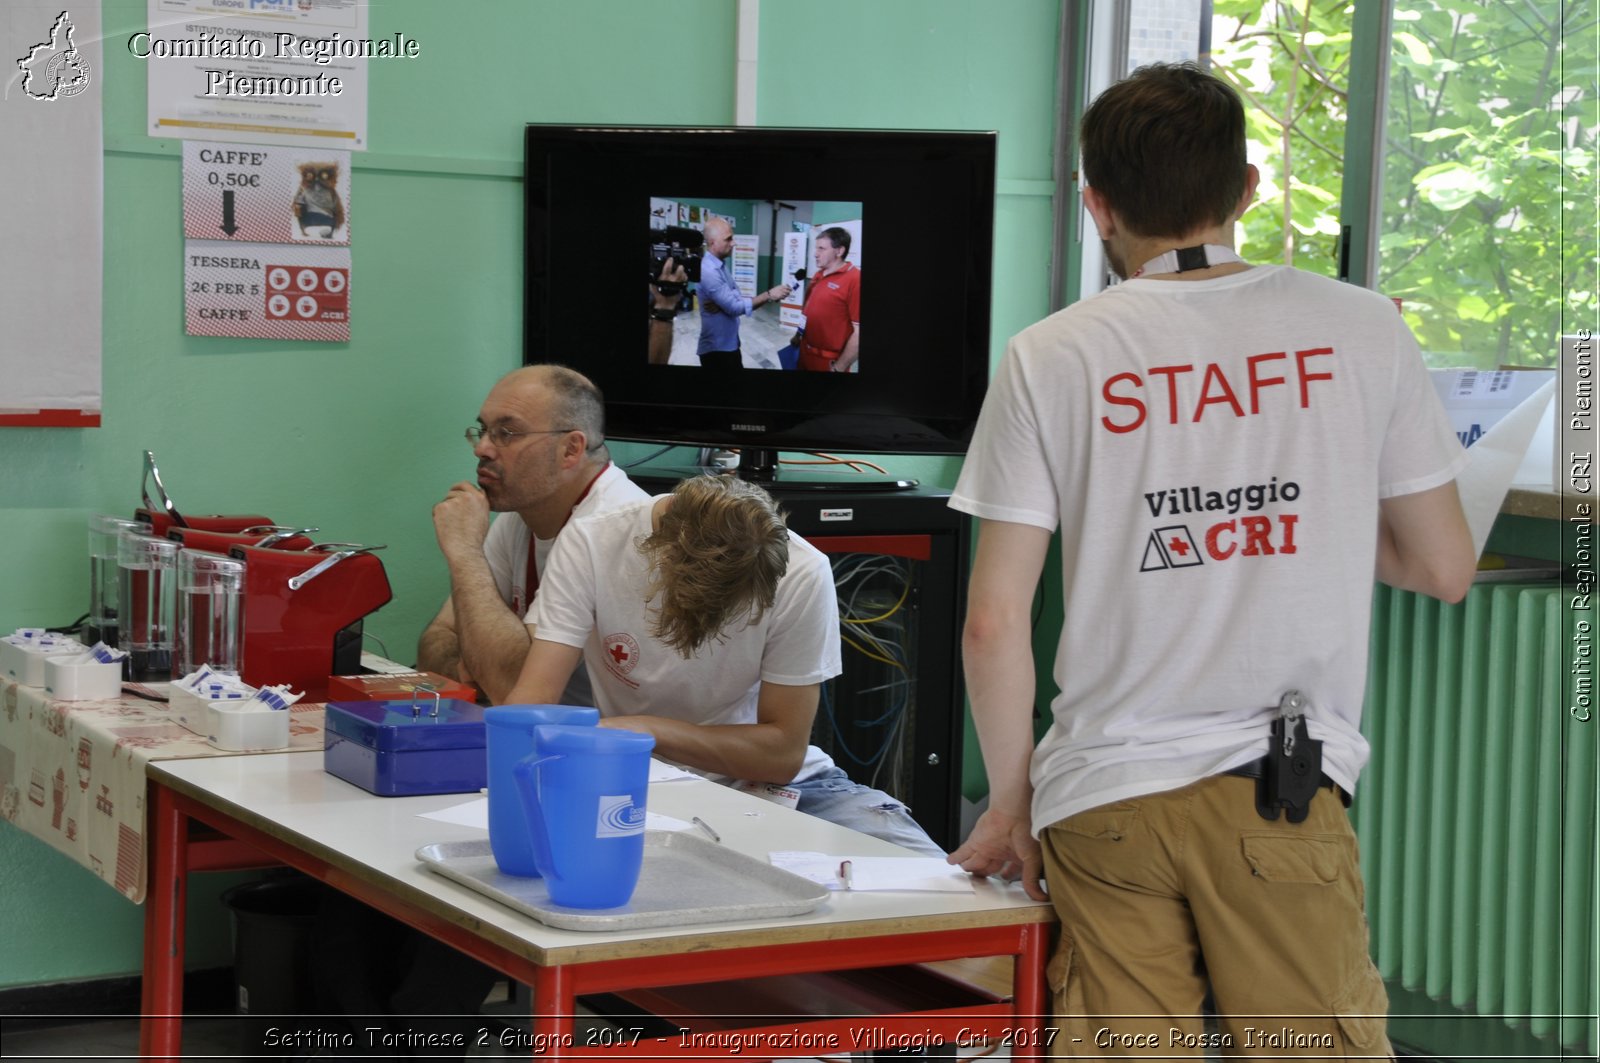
[1289,61]
[1487,228]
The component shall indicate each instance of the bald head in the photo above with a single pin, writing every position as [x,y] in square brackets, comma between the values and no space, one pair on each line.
[719,237]
[568,398]
[555,447]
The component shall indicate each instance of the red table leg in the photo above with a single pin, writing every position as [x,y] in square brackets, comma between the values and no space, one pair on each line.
[161,994]
[554,1005]
[1028,993]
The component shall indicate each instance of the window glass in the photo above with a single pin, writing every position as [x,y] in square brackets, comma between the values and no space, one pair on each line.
[1486,220]
[1289,63]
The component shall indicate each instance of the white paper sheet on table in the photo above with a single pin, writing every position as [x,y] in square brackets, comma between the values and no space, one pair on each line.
[875,873]
[475,813]
[661,771]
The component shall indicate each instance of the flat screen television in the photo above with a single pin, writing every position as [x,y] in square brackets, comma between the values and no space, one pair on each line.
[805,209]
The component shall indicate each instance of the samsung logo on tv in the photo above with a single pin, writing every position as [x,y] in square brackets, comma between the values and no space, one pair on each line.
[736,427]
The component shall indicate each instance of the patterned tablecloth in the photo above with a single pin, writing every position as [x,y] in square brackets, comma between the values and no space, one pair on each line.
[73,772]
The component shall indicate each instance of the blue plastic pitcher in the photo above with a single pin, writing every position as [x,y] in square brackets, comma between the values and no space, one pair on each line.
[584,790]
[508,733]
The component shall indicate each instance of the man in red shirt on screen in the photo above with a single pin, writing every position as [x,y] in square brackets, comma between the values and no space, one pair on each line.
[832,340]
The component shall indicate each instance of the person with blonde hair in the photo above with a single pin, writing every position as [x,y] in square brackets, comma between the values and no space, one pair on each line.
[706,623]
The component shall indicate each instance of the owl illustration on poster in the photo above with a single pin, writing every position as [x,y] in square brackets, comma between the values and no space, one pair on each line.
[318,207]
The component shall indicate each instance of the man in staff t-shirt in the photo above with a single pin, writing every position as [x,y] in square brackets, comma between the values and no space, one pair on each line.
[1231,453]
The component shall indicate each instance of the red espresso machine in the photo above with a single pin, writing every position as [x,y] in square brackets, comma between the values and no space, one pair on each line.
[297,609]
[303,612]
[165,516]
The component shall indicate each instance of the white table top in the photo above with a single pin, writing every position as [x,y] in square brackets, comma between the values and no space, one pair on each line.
[290,797]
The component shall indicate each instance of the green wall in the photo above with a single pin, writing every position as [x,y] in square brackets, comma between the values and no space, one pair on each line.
[826,213]
[361,438]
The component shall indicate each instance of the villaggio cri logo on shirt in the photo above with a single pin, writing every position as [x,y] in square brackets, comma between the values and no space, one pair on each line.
[54,69]
[1177,546]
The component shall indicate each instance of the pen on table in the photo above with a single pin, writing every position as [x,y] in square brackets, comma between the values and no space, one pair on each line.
[844,873]
[703,825]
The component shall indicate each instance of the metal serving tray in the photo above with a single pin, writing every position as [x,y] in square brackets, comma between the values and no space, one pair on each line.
[684,880]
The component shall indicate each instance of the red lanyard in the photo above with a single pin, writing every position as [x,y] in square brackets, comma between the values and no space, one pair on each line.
[531,578]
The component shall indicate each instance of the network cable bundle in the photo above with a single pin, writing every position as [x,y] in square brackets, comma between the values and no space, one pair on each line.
[866,715]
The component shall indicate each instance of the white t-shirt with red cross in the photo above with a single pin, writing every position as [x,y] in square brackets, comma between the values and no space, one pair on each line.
[506,549]
[596,583]
[506,545]
[1214,453]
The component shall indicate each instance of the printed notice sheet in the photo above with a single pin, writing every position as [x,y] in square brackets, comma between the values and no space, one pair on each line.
[282,72]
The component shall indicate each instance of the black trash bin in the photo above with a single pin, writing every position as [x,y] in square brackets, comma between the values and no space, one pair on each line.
[272,928]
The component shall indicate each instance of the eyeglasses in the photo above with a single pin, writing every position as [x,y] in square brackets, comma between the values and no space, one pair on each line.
[502,436]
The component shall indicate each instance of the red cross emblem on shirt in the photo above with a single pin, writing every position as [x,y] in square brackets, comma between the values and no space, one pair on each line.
[622,652]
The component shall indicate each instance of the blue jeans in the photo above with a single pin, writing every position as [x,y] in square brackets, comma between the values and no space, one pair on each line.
[835,797]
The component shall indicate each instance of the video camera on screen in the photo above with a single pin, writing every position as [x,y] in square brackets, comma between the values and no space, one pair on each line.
[683,246]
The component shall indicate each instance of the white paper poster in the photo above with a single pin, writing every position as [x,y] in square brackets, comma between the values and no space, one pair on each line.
[1495,457]
[663,212]
[281,72]
[268,291]
[744,264]
[51,168]
[257,194]
[796,257]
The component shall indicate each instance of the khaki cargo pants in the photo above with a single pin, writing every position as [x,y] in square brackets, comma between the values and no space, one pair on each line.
[1163,894]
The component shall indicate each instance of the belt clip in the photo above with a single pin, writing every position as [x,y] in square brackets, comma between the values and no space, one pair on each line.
[1292,770]
[1291,710]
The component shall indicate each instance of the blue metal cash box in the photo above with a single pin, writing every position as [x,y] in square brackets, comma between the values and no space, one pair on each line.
[402,748]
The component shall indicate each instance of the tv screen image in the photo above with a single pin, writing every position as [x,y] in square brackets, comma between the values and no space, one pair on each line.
[757,248]
[913,345]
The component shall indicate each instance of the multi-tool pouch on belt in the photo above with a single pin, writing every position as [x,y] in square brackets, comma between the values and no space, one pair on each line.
[1293,768]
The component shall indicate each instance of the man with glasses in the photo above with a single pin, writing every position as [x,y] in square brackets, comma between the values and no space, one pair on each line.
[542,459]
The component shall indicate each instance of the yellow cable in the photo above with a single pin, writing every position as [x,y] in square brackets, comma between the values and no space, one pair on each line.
[868,653]
[892,610]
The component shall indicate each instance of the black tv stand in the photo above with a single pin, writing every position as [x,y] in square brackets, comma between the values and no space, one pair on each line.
[760,465]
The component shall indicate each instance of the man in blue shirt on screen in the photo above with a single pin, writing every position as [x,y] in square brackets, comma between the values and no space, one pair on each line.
[721,303]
